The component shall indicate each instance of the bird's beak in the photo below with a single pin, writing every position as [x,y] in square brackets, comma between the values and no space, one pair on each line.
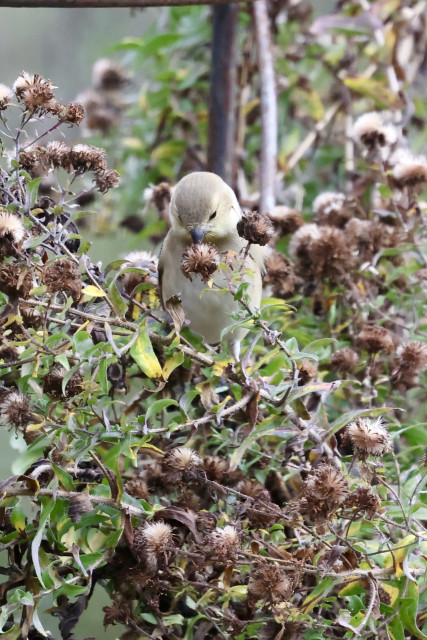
[197,235]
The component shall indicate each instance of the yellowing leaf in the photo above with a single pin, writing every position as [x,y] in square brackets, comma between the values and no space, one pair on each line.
[93,291]
[375,89]
[143,354]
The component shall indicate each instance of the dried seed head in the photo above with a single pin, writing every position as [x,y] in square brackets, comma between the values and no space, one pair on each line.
[137,488]
[142,260]
[362,499]
[269,583]
[332,208]
[255,228]
[52,383]
[320,252]
[307,371]
[345,360]
[63,275]
[107,179]
[369,130]
[412,355]
[101,112]
[154,542]
[285,219]
[281,275]
[215,468]
[34,91]
[161,195]
[180,462]
[33,160]
[224,543]
[11,227]
[72,112]
[79,505]
[118,613]
[58,154]
[374,338]
[6,97]
[368,437]
[200,258]
[326,483]
[15,409]
[409,170]
[85,157]
[15,281]
[108,75]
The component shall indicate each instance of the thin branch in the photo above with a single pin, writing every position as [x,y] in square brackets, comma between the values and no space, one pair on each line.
[268,107]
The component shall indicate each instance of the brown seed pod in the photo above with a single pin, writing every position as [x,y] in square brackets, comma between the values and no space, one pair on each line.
[255,228]
[412,355]
[154,543]
[269,583]
[85,157]
[107,179]
[344,360]
[108,75]
[58,154]
[285,219]
[52,383]
[223,542]
[362,499]
[368,437]
[324,490]
[72,112]
[6,97]
[375,338]
[63,275]
[181,463]
[15,409]
[281,275]
[14,281]
[34,91]
[200,258]
[332,209]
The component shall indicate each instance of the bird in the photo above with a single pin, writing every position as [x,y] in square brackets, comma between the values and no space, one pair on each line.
[204,208]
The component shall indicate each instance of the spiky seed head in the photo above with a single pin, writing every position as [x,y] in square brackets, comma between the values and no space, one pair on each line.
[375,338]
[200,258]
[182,459]
[15,409]
[368,436]
[11,227]
[255,228]
[6,97]
[412,355]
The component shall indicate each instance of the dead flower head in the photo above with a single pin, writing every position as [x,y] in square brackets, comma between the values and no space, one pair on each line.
[58,154]
[285,219]
[332,208]
[142,260]
[34,91]
[255,228]
[108,75]
[72,112]
[107,179]
[281,275]
[200,258]
[269,583]
[325,489]
[15,409]
[12,231]
[320,251]
[154,542]
[224,543]
[373,130]
[412,355]
[362,499]
[368,437]
[6,97]
[345,360]
[375,338]
[161,196]
[85,157]
[409,170]
[63,275]
[181,462]
[15,281]
[52,383]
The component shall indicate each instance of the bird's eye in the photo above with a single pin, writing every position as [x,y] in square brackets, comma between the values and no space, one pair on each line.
[211,217]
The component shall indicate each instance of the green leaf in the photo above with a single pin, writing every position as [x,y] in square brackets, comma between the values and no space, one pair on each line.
[319,592]
[33,191]
[409,609]
[143,354]
[47,506]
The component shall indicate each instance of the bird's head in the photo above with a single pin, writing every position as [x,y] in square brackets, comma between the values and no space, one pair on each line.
[204,207]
